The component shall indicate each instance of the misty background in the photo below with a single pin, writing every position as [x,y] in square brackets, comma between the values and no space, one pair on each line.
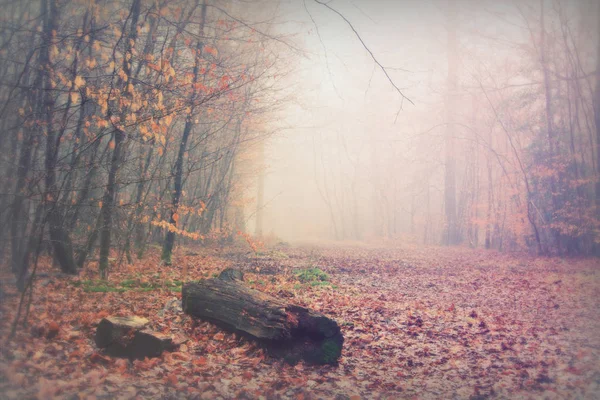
[352,155]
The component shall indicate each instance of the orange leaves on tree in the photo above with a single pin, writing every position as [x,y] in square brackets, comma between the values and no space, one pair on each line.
[172,228]
[154,67]
[91,63]
[122,75]
[255,245]
[164,11]
[144,130]
[167,119]
[211,50]
[78,82]
[199,86]
[224,82]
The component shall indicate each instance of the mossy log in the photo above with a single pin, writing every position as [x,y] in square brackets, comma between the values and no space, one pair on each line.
[128,337]
[286,330]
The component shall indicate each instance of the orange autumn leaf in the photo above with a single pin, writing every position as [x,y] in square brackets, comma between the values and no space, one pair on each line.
[78,82]
[53,326]
[121,365]
[200,361]
[171,380]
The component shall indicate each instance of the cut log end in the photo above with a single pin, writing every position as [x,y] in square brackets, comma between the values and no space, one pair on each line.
[128,337]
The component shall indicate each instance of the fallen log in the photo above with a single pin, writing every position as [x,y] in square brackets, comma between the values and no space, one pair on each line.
[128,337]
[285,330]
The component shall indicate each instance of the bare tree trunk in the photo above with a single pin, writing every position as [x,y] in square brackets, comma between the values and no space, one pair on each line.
[488,225]
[177,184]
[61,242]
[549,119]
[451,233]
[597,121]
[261,191]
[108,200]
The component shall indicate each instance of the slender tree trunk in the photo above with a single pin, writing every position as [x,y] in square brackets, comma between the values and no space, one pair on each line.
[597,121]
[552,146]
[261,191]
[451,234]
[177,184]
[488,225]
[61,242]
[17,223]
[132,222]
[108,200]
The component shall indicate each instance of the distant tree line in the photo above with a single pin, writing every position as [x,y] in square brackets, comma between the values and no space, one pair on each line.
[512,160]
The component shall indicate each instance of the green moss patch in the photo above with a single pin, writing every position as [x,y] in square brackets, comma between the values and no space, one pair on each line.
[313,277]
[100,286]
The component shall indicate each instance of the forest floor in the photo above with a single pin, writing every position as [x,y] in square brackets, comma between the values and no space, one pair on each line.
[418,322]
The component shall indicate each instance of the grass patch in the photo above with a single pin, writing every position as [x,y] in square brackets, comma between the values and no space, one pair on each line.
[99,286]
[313,276]
[271,254]
[95,286]
[130,283]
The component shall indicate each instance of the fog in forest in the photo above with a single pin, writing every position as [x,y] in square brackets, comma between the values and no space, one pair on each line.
[299,199]
[355,160]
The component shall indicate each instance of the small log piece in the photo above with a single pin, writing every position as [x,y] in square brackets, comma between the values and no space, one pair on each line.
[127,337]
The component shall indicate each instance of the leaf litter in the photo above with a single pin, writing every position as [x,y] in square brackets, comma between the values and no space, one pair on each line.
[418,323]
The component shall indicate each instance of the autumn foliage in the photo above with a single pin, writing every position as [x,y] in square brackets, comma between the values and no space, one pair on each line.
[126,124]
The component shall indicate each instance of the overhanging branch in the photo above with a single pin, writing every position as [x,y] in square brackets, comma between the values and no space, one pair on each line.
[384,69]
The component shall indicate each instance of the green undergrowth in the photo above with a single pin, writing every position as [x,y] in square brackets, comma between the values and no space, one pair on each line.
[271,254]
[100,286]
[313,277]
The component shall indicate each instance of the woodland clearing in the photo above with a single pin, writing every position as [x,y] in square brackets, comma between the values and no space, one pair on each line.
[419,322]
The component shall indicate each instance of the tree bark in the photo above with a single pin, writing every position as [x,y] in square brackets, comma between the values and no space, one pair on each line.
[127,337]
[59,236]
[285,330]
[261,190]
[451,231]
[108,199]
[178,180]
[597,121]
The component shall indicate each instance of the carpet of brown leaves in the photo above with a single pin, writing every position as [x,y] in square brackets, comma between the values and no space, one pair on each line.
[419,323]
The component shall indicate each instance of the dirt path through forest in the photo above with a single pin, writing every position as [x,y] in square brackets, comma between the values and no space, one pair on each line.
[418,322]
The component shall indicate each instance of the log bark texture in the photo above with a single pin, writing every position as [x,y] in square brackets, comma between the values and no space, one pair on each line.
[286,330]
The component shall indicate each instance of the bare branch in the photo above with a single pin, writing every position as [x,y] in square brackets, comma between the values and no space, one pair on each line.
[384,69]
